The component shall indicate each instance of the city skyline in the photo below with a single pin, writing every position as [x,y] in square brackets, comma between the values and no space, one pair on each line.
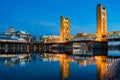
[43,17]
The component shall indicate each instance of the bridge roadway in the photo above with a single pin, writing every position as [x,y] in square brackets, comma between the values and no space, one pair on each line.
[108,40]
[82,37]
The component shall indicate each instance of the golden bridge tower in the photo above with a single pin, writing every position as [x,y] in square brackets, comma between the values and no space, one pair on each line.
[101,31]
[64,29]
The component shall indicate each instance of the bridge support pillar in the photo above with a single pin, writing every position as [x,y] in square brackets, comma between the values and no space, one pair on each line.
[6,48]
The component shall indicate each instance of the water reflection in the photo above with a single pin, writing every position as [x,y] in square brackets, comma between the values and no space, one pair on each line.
[101,66]
[105,65]
[64,67]
[113,73]
[11,59]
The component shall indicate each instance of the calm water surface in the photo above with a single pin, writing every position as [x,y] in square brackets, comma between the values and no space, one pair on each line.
[80,65]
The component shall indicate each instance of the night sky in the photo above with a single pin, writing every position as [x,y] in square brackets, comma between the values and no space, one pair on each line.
[42,17]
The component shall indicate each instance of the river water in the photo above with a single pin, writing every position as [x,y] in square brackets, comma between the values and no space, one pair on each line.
[78,65]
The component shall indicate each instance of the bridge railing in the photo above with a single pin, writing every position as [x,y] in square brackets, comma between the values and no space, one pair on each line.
[82,38]
[110,35]
[113,36]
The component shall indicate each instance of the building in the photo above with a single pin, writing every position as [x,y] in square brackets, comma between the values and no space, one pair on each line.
[50,39]
[9,31]
[22,35]
[11,35]
[81,34]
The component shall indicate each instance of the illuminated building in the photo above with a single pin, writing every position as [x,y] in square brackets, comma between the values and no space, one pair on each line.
[50,39]
[81,34]
[22,35]
[64,29]
[101,29]
[9,31]
[11,35]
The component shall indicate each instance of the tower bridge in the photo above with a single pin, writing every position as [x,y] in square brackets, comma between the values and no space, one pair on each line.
[101,29]
[101,35]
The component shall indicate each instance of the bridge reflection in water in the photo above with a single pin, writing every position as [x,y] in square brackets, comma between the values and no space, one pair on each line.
[102,62]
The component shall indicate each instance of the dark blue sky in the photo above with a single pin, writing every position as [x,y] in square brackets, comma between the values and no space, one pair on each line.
[41,17]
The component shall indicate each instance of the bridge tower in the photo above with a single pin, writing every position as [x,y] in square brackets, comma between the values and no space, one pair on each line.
[64,29]
[101,31]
